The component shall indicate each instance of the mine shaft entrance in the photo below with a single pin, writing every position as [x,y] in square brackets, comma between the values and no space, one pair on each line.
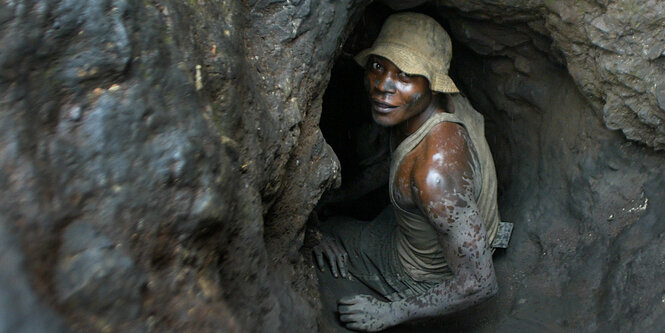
[347,125]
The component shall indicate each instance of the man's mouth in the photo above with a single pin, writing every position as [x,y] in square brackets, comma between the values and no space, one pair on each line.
[382,107]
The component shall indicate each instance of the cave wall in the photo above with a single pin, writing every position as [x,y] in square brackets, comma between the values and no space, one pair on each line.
[586,252]
[614,50]
[159,159]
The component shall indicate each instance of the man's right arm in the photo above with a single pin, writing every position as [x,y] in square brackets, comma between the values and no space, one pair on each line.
[370,178]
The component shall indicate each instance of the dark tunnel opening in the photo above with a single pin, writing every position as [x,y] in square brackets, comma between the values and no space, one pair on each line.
[346,123]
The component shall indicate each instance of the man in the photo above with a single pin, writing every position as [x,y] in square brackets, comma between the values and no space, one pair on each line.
[429,254]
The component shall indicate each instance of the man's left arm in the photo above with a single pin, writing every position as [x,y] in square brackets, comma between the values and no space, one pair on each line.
[444,193]
[463,238]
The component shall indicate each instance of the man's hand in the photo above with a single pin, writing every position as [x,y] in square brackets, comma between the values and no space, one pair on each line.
[336,254]
[366,313]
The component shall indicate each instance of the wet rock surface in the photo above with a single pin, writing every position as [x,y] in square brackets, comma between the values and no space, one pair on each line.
[159,160]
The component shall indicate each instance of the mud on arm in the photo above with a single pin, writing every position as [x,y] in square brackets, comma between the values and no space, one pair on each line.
[442,189]
[441,186]
[462,236]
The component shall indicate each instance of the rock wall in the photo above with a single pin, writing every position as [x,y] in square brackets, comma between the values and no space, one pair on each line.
[159,159]
[614,50]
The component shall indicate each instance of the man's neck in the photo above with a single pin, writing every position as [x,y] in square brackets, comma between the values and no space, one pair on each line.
[412,124]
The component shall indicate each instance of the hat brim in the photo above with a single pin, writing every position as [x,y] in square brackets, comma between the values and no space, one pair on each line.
[410,63]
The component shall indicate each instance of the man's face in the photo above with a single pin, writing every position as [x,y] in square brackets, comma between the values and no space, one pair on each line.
[394,95]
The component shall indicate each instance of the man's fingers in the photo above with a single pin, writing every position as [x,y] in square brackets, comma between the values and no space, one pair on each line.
[356,326]
[345,300]
[349,317]
[337,257]
[341,262]
[331,258]
[351,299]
[341,257]
[348,309]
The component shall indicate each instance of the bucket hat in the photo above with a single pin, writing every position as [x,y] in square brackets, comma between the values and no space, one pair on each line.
[417,44]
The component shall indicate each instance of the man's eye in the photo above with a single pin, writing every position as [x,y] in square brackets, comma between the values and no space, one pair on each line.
[404,76]
[376,66]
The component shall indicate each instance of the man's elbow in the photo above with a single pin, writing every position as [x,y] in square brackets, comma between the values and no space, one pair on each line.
[483,291]
[488,290]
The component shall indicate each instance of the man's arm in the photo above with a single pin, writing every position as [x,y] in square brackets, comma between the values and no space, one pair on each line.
[370,178]
[442,189]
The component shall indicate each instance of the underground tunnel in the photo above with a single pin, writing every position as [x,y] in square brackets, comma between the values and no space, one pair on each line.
[160,161]
[544,136]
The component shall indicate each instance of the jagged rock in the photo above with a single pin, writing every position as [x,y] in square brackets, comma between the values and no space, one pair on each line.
[149,154]
[613,50]
[94,275]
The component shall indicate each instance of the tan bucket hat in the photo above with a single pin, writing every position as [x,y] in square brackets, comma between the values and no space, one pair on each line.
[417,44]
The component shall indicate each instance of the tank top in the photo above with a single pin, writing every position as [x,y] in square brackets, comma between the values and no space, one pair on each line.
[417,244]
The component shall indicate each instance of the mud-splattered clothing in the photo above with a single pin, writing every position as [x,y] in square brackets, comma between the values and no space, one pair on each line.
[417,242]
[398,254]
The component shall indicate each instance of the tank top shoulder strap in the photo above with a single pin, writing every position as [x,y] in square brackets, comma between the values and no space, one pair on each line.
[413,140]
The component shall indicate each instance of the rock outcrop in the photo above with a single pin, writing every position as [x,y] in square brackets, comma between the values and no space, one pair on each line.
[159,159]
[614,50]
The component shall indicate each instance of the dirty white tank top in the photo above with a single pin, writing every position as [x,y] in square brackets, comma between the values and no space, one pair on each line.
[416,239]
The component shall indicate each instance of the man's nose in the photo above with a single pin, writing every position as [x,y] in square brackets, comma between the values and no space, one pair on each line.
[385,84]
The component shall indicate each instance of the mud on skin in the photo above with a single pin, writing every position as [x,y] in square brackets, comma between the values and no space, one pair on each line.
[436,180]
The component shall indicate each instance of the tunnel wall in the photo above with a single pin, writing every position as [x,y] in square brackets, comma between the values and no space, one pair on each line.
[587,243]
[159,159]
[614,50]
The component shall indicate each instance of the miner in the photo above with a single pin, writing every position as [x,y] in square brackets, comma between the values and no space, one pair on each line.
[429,253]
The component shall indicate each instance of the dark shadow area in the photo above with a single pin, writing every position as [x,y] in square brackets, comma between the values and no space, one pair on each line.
[360,144]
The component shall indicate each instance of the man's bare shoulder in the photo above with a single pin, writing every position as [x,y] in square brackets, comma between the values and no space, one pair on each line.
[443,175]
[446,149]
[444,169]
